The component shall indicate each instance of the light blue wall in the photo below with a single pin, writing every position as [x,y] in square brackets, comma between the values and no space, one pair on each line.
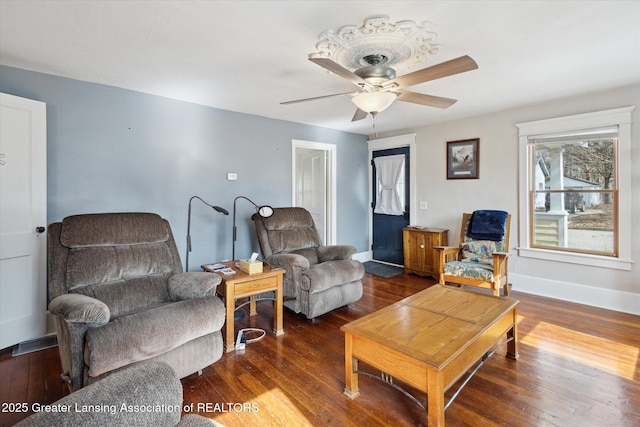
[111,149]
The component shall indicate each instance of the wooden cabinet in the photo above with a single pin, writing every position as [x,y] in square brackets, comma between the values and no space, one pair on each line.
[419,256]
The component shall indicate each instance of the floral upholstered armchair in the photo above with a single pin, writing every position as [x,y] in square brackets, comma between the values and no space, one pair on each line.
[481,260]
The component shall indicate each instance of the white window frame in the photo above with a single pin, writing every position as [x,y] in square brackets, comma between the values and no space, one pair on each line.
[620,117]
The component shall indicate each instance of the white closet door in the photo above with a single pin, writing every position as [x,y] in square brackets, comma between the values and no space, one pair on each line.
[23,216]
[311,186]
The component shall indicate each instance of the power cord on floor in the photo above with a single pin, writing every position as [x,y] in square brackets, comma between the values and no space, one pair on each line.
[242,341]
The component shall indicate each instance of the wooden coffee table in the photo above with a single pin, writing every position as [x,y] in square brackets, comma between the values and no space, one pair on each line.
[242,285]
[429,340]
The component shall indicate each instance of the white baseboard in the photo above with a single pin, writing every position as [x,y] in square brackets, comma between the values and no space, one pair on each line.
[51,326]
[626,302]
[363,256]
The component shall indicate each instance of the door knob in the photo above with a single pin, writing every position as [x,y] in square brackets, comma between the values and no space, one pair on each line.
[40,229]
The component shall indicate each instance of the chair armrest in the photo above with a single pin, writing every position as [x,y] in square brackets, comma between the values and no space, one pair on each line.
[447,249]
[500,263]
[288,261]
[148,391]
[190,285]
[78,308]
[448,253]
[335,252]
[444,255]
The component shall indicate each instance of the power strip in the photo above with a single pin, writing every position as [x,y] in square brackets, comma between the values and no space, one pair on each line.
[242,341]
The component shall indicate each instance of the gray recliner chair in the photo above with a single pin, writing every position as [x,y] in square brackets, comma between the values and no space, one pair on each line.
[318,278]
[145,394]
[119,296]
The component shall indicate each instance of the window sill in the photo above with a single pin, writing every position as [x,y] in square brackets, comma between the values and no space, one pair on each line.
[575,258]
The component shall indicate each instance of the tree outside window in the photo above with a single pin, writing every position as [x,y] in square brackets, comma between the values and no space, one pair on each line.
[574,191]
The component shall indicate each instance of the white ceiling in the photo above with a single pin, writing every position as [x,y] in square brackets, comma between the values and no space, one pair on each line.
[248,56]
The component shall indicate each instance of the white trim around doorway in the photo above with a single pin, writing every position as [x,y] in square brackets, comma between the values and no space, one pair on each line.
[408,140]
[330,150]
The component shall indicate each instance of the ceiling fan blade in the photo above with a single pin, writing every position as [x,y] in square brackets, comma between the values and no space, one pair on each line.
[449,68]
[315,98]
[339,70]
[359,115]
[429,100]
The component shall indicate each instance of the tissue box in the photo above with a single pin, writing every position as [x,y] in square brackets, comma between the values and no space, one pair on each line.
[251,267]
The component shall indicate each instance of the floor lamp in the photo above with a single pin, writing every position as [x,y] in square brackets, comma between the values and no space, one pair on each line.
[216,208]
[264,211]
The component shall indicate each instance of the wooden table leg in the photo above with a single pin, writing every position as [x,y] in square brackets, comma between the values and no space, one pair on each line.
[277,310]
[252,305]
[435,398]
[230,305]
[350,368]
[512,346]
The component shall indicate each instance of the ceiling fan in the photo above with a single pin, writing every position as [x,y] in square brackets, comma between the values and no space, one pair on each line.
[379,87]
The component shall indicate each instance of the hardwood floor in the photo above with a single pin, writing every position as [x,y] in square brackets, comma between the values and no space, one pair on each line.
[578,366]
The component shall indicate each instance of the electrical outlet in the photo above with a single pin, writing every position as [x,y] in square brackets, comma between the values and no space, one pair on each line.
[232,176]
[423,205]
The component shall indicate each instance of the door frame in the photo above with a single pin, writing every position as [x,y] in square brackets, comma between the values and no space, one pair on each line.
[408,140]
[331,196]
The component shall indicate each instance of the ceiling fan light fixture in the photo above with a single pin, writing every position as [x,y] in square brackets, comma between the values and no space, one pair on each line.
[374,102]
[369,57]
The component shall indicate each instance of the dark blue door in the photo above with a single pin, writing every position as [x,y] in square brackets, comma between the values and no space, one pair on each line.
[387,229]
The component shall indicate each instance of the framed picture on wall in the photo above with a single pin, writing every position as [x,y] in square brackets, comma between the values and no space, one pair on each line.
[463,159]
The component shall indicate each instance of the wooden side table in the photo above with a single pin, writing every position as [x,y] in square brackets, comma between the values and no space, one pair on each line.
[241,285]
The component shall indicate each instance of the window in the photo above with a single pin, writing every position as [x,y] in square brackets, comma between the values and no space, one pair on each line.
[575,188]
[394,172]
[573,191]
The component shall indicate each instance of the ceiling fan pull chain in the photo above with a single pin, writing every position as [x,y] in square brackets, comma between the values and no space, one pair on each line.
[374,115]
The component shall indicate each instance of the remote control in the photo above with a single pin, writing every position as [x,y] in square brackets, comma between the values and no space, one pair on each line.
[217,267]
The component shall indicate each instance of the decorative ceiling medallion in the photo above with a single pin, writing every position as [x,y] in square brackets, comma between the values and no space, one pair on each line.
[405,44]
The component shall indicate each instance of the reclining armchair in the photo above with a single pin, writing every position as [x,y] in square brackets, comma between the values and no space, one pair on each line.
[482,258]
[145,385]
[318,278]
[119,296]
